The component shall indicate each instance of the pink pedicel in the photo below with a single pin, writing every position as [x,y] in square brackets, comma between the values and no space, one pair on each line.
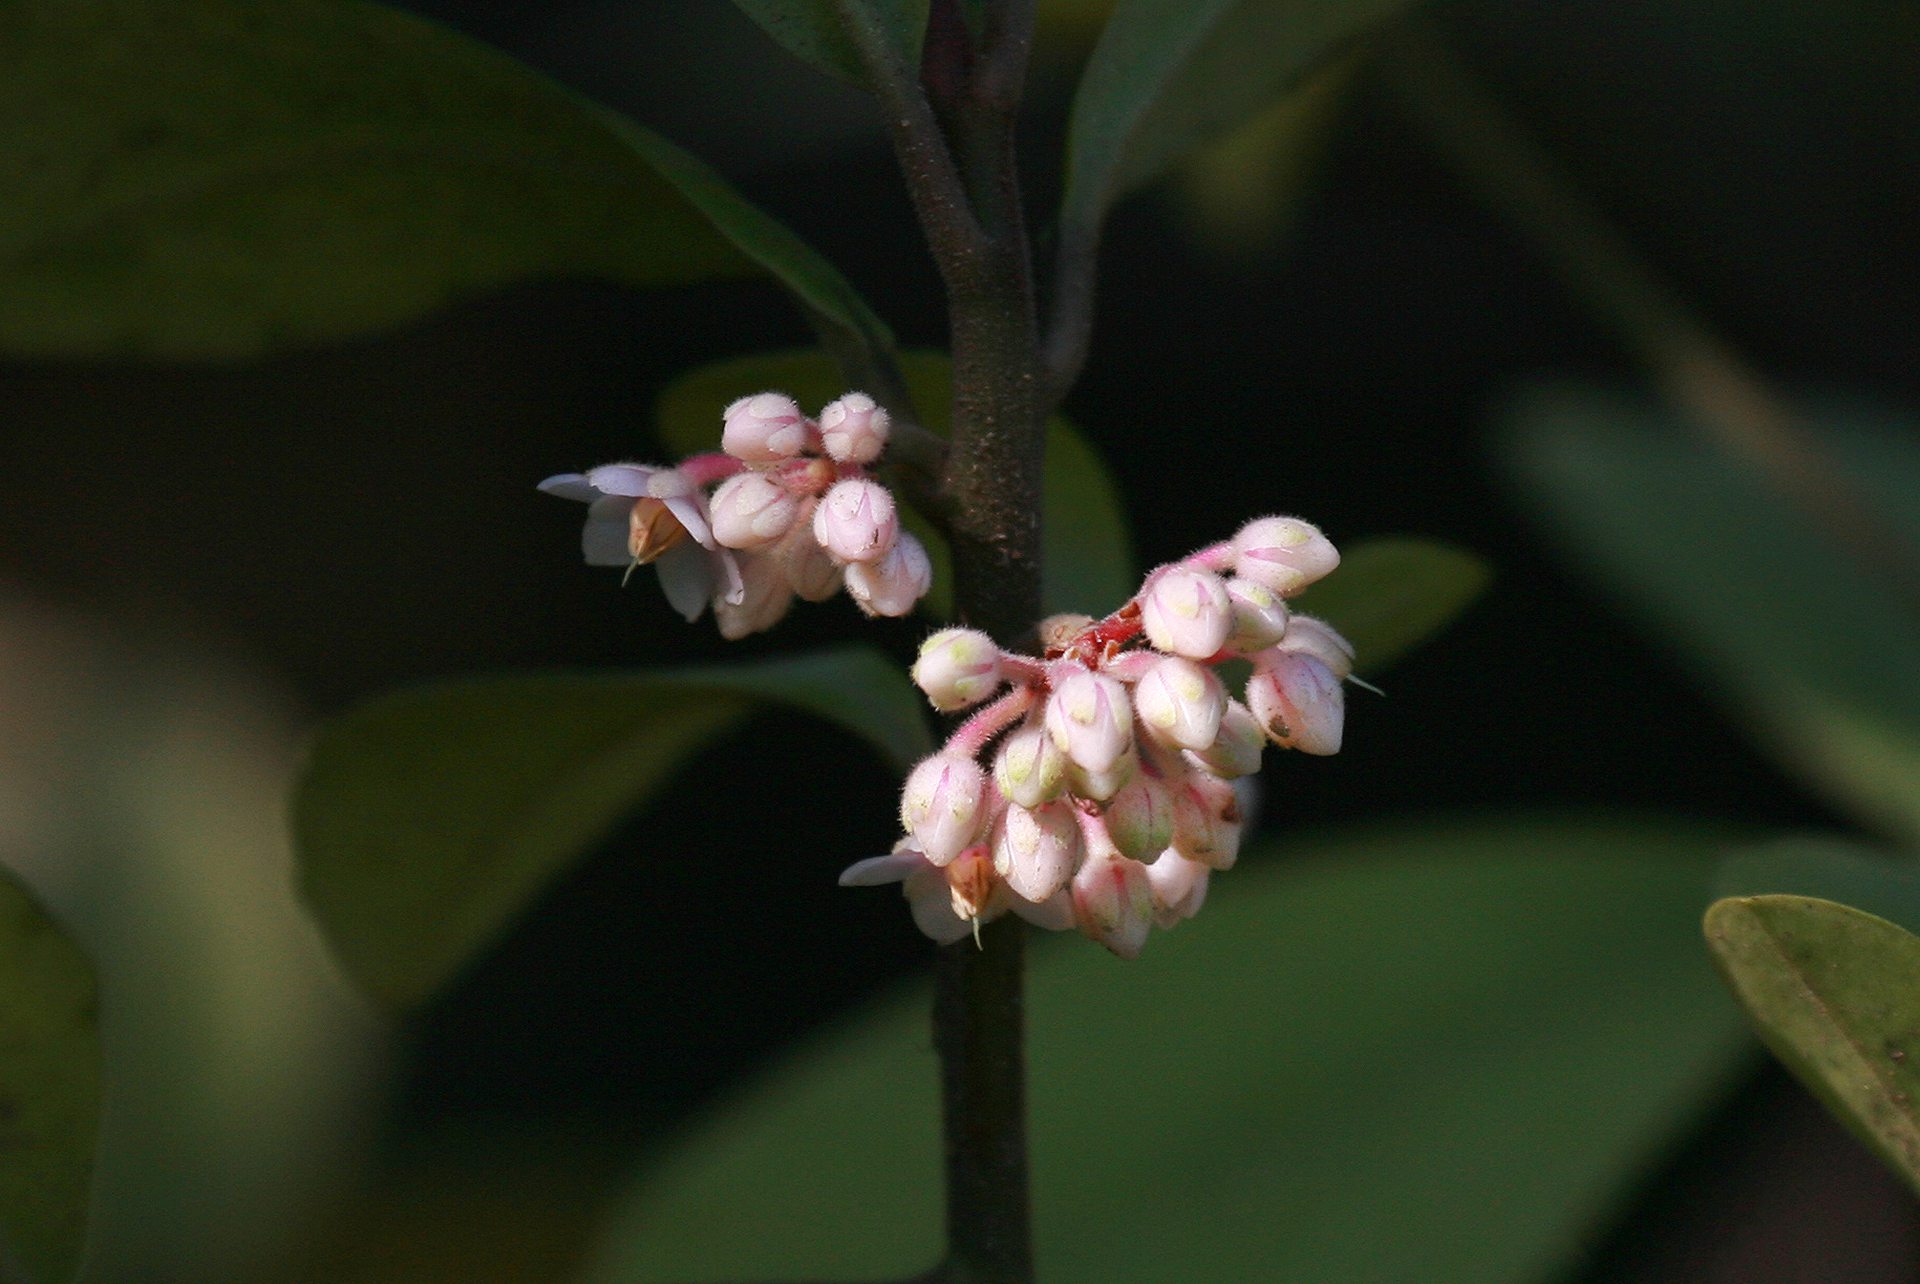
[1111,800]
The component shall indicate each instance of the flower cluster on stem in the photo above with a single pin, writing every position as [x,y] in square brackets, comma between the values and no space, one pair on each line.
[1093,787]
[785,509]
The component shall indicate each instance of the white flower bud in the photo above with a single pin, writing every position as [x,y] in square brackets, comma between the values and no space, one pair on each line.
[957,668]
[1298,702]
[810,569]
[1140,818]
[1180,703]
[1113,903]
[764,603]
[1310,635]
[1259,616]
[856,522]
[892,585]
[1037,850]
[1185,612]
[1207,821]
[1236,750]
[853,429]
[1179,887]
[1090,719]
[1099,786]
[763,429]
[751,510]
[943,805]
[1283,553]
[1029,768]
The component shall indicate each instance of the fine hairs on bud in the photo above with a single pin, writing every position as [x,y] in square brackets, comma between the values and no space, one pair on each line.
[1180,703]
[856,521]
[1113,903]
[944,805]
[1186,612]
[1298,701]
[763,429]
[1312,636]
[1089,717]
[1259,616]
[893,584]
[1029,768]
[751,510]
[854,429]
[957,668]
[1285,554]
[1037,850]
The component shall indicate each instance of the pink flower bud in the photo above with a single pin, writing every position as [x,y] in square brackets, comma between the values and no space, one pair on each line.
[1259,616]
[1297,701]
[1140,818]
[1236,750]
[854,429]
[1037,850]
[1099,786]
[763,429]
[763,604]
[1113,903]
[1312,636]
[944,805]
[856,522]
[893,584]
[811,570]
[749,510]
[971,883]
[1207,821]
[957,668]
[1178,885]
[1089,718]
[1185,612]
[1180,703]
[1283,553]
[1029,768]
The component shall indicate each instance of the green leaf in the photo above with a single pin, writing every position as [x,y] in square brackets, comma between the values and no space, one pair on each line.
[1392,592]
[218,178]
[427,819]
[49,1092]
[1089,563]
[1401,1054]
[1167,75]
[1821,661]
[811,32]
[1830,868]
[1836,994]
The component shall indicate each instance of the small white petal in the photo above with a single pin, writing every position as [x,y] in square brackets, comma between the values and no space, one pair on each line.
[878,871]
[686,577]
[570,486]
[620,479]
[604,538]
[691,510]
[1055,914]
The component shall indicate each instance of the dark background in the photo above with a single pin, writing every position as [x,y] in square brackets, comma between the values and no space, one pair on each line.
[364,515]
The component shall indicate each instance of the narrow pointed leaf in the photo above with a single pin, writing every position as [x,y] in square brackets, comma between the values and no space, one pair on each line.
[49,1092]
[1089,561]
[812,31]
[1393,592]
[1835,993]
[427,819]
[218,178]
[1362,1045]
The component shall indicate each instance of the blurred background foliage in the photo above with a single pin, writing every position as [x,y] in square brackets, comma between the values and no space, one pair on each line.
[1318,315]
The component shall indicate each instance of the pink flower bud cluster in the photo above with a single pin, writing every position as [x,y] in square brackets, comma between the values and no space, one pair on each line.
[786,509]
[1096,790]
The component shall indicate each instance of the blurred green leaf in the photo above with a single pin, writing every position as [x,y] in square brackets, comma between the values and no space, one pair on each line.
[1392,592]
[1820,659]
[1830,868]
[427,819]
[1167,75]
[811,31]
[49,1092]
[1438,1054]
[1836,994]
[1089,561]
[217,178]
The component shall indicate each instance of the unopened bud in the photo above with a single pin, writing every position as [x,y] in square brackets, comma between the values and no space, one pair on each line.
[750,510]
[1099,786]
[1309,635]
[1207,821]
[1185,612]
[943,805]
[1037,850]
[1089,718]
[1180,703]
[892,585]
[1178,886]
[854,429]
[1236,750]
[1283,553]
[1140,818]
[957,668]
[811,570]
[765,601]
[1297,701]
[856,521]
[1029,768]
[1113,903]
[763,428]
[1259,616]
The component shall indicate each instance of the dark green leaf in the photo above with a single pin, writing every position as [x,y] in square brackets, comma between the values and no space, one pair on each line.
[427,819]
[1168,74]
[216,178]
[1089,565]
[1836,994]
[812,32]
[1830,868]
[1393,592]
[1822,661]
[49,1092]
[1437,1055]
